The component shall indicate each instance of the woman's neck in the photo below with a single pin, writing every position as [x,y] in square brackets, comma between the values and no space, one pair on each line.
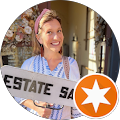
[52,56]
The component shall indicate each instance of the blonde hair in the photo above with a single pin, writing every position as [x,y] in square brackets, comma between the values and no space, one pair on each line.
[48,16]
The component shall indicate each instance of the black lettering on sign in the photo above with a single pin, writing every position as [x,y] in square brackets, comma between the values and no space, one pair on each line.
[7,81]
[33,87]
[40,87]
[17,81]
[65,91]
[26,83]
[71,94]
[47,89]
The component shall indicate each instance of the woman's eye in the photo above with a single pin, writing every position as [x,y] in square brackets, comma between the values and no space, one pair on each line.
[59,30]
[49,32]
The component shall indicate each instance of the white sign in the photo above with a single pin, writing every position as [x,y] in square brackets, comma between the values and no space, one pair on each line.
[30,85]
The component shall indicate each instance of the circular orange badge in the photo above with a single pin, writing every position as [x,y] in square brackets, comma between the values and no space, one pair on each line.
[95,95]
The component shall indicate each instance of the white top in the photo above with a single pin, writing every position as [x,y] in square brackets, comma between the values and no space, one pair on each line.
[39,64]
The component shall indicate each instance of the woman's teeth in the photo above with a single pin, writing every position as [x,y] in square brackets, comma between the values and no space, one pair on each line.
[55,43]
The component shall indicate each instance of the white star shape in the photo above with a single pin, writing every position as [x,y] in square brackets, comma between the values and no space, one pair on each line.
[96,96]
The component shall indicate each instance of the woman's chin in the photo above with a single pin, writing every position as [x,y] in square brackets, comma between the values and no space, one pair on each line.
[55,50]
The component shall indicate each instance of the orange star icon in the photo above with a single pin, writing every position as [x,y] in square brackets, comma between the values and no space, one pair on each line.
[95,96]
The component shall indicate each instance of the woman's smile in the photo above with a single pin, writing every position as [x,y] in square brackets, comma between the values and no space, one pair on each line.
[55,43]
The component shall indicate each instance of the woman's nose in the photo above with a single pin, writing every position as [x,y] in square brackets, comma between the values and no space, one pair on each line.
[55,36]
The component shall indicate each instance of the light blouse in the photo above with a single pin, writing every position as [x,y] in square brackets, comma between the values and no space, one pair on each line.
[40,65]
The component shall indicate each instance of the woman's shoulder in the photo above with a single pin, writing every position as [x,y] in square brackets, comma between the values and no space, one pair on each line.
[71,60]
[74,69]
[27,62]
[29,59]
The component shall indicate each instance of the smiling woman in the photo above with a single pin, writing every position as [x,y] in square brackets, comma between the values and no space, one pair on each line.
[46,16]
[47,42]
[51,37]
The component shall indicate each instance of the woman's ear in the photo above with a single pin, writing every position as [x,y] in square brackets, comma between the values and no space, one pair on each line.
[39,38]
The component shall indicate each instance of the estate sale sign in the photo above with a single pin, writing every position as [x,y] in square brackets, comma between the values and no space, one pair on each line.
[30,85]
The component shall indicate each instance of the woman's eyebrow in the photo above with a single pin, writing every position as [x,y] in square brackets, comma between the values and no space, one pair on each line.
[60,28]
[52,29]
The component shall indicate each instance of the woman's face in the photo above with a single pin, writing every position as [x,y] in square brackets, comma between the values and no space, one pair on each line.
[51,36]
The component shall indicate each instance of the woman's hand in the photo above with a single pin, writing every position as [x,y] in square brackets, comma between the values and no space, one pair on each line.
[43,112]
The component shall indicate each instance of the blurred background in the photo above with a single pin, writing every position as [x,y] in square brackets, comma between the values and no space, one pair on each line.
[87,38]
